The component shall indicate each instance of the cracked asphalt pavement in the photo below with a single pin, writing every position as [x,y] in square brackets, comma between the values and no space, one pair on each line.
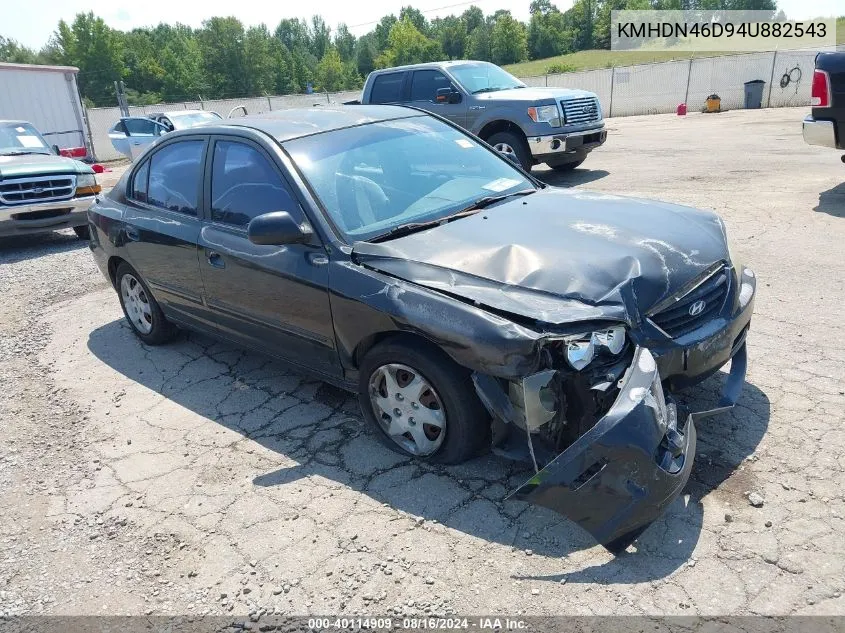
[199,478]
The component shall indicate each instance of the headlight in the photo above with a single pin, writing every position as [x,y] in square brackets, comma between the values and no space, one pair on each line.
[580,350]
[86,185]
[545,114]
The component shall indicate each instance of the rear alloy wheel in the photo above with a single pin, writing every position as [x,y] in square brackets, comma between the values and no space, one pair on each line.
[82,232]
[511,144]
[422,403]
[141,309]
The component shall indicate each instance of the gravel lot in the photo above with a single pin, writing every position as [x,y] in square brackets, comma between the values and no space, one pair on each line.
[199,478]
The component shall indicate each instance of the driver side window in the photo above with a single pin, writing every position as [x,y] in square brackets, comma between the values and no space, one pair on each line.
[244,185]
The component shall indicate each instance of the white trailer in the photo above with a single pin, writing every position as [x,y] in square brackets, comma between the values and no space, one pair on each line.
[47,97]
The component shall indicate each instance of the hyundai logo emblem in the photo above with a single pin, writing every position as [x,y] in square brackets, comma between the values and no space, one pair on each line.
[697,308]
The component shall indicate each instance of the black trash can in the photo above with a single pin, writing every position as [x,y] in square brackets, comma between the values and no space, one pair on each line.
[754,94]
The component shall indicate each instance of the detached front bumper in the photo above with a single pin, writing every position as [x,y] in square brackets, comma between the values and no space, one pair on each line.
[26,219]
[558,146]
[617,478]
[818,132]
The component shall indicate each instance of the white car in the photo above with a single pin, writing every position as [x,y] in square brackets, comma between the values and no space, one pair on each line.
[131,135]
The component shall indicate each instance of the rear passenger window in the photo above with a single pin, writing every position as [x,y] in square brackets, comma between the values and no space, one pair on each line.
[175,175]
[139,182]
[387,88]
[244,185]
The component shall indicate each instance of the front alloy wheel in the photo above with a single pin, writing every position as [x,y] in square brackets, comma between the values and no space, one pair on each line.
[408,408]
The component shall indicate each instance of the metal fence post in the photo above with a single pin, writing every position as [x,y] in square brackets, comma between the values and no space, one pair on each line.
[269,104]
[612,82]
[771,79]
[546,77]
[689,75]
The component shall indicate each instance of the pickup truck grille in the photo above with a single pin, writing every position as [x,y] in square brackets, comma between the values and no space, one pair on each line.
[580,110]
[36,189]
[695,308]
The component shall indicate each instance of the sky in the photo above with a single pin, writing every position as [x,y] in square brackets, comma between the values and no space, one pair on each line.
[31,22]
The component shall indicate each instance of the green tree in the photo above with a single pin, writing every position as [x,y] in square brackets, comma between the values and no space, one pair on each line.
[451,32]
[259,63]
[184,71]
[293,33]
[382,32]
[330,71]
[508,40]
[479,44]
[222,45]
[473,17]
[344,42]
[406,45]
[96,50]
[415,17]
[144,71]
[365,56]
[14,52]
[321,36]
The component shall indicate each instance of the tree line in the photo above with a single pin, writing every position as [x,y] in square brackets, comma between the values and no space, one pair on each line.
[226,59]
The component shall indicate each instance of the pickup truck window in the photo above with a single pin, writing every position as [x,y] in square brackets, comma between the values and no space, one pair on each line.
[387,88]
[484,77]
[425,84]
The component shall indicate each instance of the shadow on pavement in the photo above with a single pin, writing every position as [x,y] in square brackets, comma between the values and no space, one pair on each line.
[832,201]
[17,248]
[570,178]
[206,376]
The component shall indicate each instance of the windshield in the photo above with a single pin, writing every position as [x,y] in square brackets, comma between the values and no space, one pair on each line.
[21,138]
[484,77]
[374,178]
[184,121]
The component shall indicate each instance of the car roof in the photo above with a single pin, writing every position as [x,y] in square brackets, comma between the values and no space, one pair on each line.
[284,125]
[177,113]
[13,122]
[443,64]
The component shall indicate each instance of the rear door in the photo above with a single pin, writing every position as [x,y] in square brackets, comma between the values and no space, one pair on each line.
[423,90]
[273,298]
[387,88]
[162,228]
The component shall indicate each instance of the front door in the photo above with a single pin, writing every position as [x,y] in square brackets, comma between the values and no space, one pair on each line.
[272,298]
[423,92]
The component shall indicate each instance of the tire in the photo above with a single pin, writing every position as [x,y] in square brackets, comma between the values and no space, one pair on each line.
[82,232]
[506,142]
[563,167]
[445,397]
[140,307]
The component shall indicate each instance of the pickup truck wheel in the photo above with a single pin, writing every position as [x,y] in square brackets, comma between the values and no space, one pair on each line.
[141,309]
[421,403]
[566,166]
[82,232]
[511,143]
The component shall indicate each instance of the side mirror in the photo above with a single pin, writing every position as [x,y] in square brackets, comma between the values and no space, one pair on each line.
[56,150]
[447,95]
[276,229]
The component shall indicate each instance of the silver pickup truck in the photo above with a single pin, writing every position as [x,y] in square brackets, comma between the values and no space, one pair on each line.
[556,126]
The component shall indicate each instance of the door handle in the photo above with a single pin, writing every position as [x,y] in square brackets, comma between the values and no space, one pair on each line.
[136,142]
[214,259]
[132,234]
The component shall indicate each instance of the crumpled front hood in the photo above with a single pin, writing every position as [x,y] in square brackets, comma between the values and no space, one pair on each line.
[40,165]
[559,256]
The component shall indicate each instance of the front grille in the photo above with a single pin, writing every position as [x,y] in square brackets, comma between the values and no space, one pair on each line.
[38,189]
[580,110]
[677,319]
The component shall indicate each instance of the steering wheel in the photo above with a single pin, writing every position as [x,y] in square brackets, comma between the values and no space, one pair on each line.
[361,200]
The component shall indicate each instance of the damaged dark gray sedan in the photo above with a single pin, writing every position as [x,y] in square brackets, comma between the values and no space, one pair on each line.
[466,303]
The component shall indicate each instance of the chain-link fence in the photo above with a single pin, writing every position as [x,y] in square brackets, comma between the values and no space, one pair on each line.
[623,91]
